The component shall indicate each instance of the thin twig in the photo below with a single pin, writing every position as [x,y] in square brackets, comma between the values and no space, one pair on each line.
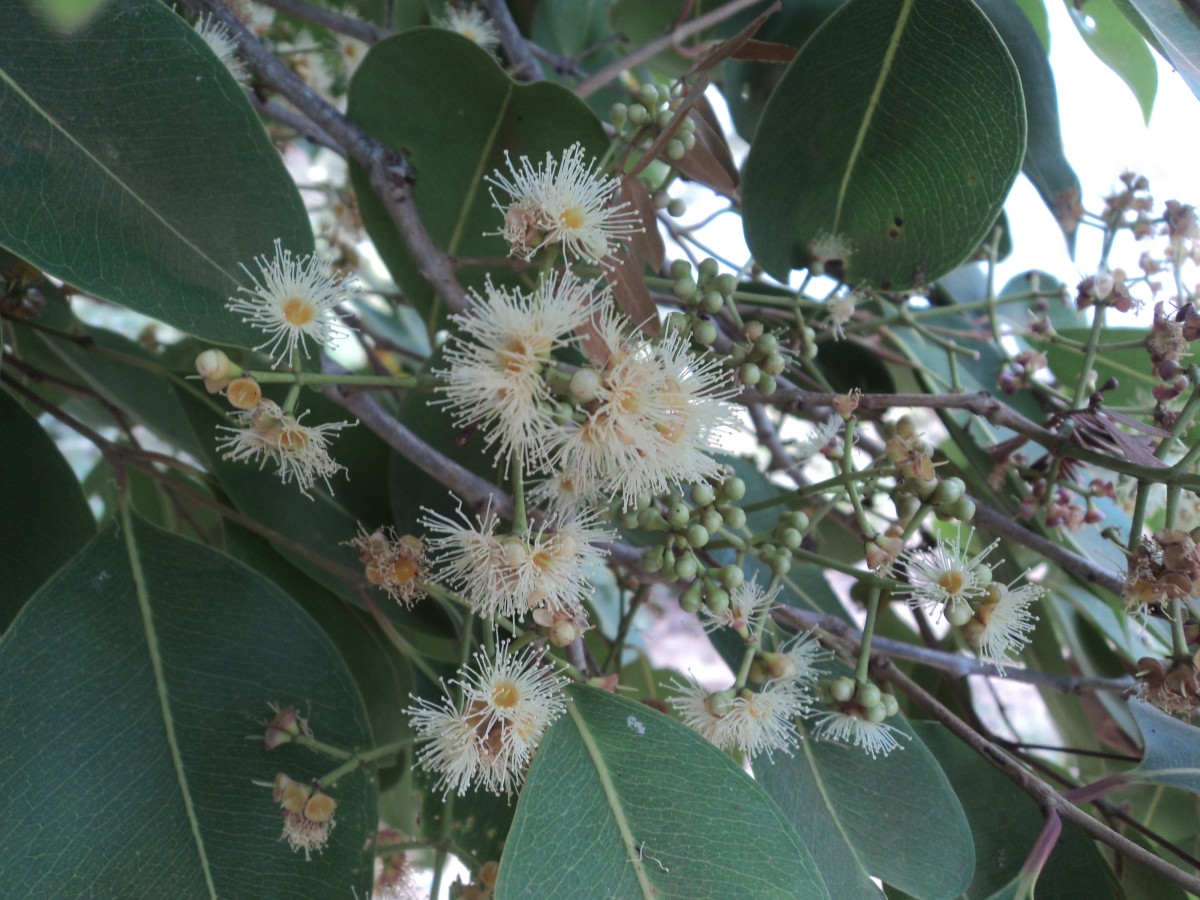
[304,127]
[589,86]
[953,663]
[327,18]
[391,175]
[516,48]
[1046,796]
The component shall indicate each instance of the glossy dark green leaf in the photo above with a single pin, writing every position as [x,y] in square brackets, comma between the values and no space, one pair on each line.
[132,680]
[895,817]
[46,518]
[1076,869]
[1176,27]
[105,191]
[1045,162]
[448,106]
[896,132]
[654,811]
[1118,45]
[1172,748]
[383,676]
[1035,12]
[748,85]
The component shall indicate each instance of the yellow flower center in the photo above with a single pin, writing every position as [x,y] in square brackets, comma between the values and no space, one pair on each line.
[951,582]
[571,218]
[404,571]
[298,312]
[505,695]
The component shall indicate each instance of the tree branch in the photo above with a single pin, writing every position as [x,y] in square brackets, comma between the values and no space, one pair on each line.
[327,18]
[516,48]
[391,175]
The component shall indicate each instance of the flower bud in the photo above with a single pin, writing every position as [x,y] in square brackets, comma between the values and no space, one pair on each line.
[216,369]
[585,385]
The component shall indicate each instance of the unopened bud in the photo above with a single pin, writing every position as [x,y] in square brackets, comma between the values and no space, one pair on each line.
[216,369]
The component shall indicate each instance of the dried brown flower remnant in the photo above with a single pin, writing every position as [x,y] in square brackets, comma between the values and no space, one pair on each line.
[1164,567]
[394,563]
[307,814]
[1172,687]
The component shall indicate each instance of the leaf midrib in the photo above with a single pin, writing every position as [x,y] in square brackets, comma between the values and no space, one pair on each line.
[143,598]
[820,782]
[614,803]
[54,123]
[872,104]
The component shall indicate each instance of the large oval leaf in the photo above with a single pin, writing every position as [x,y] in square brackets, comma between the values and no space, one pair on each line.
[1076,869]
[1118,45]
[622,801]
[896,133]
[1045,162]
[46,518]
[135,168]
[131,681]
[1177,30]
[895,818]
[443,102]
[1172,748]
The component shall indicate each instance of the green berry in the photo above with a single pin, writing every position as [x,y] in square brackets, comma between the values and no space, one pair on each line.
[738,352]
[687,137]
[653,560]
[875,714]
[959,614]
[716,599]
[709,267]
[949,490]
[726,284]
[766,343]
[749,373]
[662,120]
[704,333]
[651,519]
[791,538]
[731,576]
[767,385]
[733,489]
[869,695]
[781,562]
[734,516]
[890,706]
[703,493]
[680,268]
[684,288]
[678,514]
[713,302]
[676,208]
[697,535]
[618,113]
[774,364]
[711,520]
[686,568]
[638,115]
[648,94]
[842,689]
[690,600]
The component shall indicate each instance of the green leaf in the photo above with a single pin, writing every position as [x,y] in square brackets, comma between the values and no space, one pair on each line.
[1176,28]
[897,130]
[1172,749]
[46,518]
[135,168]
[1045,162]
[654,811]
[1118,45]
[1076,869]
[895,818]
[1035,12]
[1131,367]
[748,85]
[132,680]
[446,105]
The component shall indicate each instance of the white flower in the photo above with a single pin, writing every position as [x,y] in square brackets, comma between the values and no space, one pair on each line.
[307,59]
[291,303]
[874,738]
[1002,623]
[818,440]
[806,654]
[512,575]
[257,18]
[753,721]
[495,375]
[472,24]
[945,578]
[654,419]
[300,451]
[489,736]
[223,47]
[828,254]
[395,563]
[747,604]
[840,311]
[562,203]
[351,51]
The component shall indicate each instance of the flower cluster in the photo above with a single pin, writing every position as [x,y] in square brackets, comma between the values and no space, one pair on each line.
[395,563]
[266,433]
[562,202]
[473,24]
[218,39]
[307,814]
[756,721]
[487,735]
[513,575]
[948,580]
[292,303]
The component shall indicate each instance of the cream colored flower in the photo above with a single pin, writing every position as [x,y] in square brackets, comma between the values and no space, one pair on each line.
[562,202]
[473,24]
[292,303]
[223,46]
